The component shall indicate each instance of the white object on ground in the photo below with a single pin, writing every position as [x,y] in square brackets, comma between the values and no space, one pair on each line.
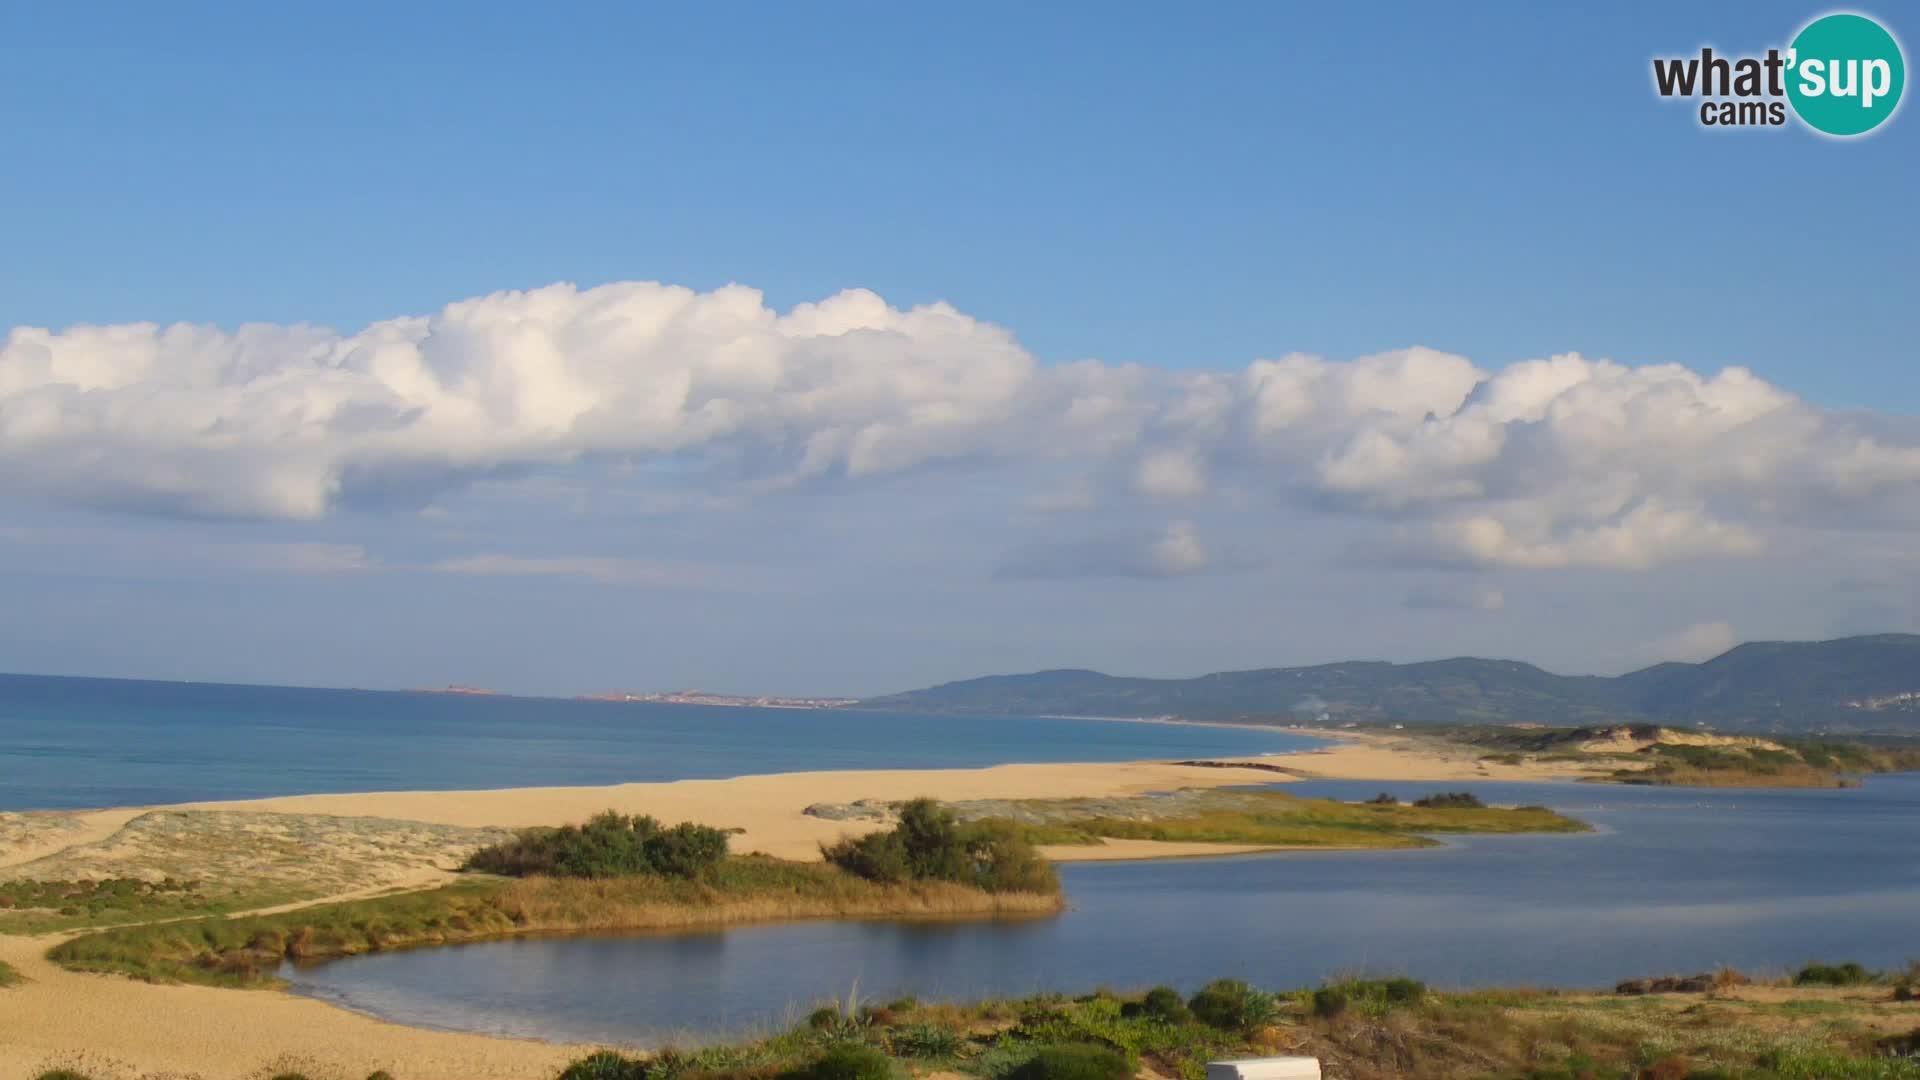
[1273,1068]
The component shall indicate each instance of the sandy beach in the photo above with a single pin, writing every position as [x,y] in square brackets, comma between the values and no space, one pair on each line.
[123,1028]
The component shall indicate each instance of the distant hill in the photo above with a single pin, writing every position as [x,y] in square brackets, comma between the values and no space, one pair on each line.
[1858,684]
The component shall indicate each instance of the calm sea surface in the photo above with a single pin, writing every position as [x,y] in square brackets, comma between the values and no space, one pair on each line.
[1674,881]
[70,743]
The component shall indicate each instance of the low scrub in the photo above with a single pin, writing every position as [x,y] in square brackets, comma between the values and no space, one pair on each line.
[1451,800]
[1406,1033]
[849,1061]
[1370,997]
[608,846]
[1074,1061]
[1162,1003]
[1848,974]
[929,1041]
[1232,1005]
[931,844]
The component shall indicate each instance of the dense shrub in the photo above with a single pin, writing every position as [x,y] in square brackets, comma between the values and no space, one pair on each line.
[1232,1005]
[930,844]
[1162,1003]
[605,1065]
[1372,996]
[850,1061]
[1848,974]
[1074,1061]
[610,845]
[1384,799]
[1451,800]
[925,1041]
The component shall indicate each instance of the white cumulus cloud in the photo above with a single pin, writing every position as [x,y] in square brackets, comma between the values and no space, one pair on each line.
[1559,462]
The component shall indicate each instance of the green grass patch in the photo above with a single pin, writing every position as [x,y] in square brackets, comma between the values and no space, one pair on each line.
[9,976]
[1280,820]
[246,951]
[41,907]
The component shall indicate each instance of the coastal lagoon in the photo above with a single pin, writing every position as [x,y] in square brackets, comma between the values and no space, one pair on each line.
[1672,881]
[82,743]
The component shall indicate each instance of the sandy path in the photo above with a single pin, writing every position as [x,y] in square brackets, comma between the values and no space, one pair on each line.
[124,1028]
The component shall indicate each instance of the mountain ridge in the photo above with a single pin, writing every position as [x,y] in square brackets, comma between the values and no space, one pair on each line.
[1867,683]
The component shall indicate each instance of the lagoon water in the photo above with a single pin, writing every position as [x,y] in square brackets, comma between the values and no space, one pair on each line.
[1673,881]
[76,743]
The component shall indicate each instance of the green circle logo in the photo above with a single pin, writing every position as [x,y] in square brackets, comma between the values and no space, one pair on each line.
[1845,74]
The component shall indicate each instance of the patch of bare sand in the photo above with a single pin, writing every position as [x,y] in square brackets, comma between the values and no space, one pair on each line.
[35,834]
[138,1028]
[770,809]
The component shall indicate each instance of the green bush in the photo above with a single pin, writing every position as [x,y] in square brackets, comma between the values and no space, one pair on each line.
[380,1074]
[1451,800]
[605,1065]
[1848,974]
[1075,1061]
[1001,1061]
[62,1074]
[1232,1005]
[1373,996]
[610,845]
[931,844]
[823,1017]
[926,1041]
[851,1061]
[1384,799]
[1161,1003]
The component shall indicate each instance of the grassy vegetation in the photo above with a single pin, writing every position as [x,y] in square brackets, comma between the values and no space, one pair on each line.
[247,951]
[1277,819]
[1360,1029]
[610,845]
[931,844]
[1716,766]
[40,907]
[8,976]
[1785,763]
[168,864]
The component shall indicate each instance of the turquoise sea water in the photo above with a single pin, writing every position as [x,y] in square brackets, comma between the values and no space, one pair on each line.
[70,743]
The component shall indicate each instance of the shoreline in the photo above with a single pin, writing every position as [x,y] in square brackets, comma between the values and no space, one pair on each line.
[55,1014]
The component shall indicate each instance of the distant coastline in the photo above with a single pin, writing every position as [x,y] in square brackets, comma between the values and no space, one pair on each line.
[704,697]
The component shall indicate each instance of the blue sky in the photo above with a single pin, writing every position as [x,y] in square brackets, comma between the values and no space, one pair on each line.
[1184,190]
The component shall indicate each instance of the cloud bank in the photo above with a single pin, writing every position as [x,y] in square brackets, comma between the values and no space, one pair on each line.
[1562,462]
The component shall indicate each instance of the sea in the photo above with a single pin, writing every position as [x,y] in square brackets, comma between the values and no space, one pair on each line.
[68,743]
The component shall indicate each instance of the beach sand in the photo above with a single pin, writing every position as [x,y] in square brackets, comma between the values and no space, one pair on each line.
[123,1029]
